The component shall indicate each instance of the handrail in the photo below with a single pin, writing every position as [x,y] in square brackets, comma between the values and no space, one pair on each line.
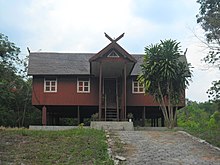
[105,105]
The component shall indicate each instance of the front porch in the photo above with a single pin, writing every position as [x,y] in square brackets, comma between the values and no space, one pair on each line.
[112,66]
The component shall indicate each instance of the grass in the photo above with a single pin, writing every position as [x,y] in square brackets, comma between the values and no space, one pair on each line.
[117,146]
[77,146]
[210,135]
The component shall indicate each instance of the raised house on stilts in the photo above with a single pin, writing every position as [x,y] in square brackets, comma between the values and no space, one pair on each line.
[78,85]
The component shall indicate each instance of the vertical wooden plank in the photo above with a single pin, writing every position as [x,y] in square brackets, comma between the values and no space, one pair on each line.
[44,116]
[117,99]
[100,90]
[125,92]
[78,115]
[122,99]
[105,105]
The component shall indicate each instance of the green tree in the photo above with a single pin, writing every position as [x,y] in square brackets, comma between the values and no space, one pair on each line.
[208,18]
[15,91]
[8,52]
[165,77]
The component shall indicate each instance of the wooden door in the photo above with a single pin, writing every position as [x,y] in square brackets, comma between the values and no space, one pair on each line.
[110,92]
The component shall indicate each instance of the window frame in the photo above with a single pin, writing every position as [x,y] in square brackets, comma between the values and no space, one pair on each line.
[83,85]
[138,87]
[110,54]
[50,80]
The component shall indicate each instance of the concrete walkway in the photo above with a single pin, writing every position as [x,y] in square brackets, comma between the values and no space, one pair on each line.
[167,148]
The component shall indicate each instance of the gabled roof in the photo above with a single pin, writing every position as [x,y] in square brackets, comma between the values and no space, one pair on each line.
[41,63]
[45,63]
[137,67]
[140,57]
[113,46]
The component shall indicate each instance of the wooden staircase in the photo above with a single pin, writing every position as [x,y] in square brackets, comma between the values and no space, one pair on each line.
[111,114]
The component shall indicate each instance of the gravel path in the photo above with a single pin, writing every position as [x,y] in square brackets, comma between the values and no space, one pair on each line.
[167,148]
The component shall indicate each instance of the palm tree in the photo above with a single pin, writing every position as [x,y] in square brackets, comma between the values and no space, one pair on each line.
[165,77]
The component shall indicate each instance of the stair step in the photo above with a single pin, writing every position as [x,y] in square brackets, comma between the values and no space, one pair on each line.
[111,114]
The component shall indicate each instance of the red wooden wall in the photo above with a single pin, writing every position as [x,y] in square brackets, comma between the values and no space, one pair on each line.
[140,99]
[66,92]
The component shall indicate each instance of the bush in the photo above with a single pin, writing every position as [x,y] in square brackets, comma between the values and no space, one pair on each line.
[196,120]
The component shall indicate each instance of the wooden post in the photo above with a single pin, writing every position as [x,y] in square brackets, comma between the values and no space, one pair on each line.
[162,121]
[100,91]
[78,115]
[117,99]
[44,116]
[105,104]
[125,92]
[143,117]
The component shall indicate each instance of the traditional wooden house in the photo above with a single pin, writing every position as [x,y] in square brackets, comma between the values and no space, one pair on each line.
[77,85]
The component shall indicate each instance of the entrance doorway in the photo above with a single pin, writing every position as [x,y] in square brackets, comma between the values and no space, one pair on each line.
[110,92]
[111,99]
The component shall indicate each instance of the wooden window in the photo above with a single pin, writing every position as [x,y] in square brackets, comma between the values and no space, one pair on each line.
[50,84]
[137,87]
[83,85]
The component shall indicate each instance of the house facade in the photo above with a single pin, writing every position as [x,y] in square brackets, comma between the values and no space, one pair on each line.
[78,85]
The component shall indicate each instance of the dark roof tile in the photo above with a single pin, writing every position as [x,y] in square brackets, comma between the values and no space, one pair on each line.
[59,63]
[41,63]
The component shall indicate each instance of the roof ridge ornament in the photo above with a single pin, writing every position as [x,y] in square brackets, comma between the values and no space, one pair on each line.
[114,40]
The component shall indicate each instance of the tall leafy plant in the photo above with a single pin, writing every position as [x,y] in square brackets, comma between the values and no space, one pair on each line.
[165,77]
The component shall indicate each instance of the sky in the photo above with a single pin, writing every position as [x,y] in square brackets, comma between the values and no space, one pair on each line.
[79,26]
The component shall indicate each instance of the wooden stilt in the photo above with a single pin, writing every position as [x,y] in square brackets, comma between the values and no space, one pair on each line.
[125,90]
[162,121]
[117,99]
[100,91]
[78,115]
[44,116]
[143,117]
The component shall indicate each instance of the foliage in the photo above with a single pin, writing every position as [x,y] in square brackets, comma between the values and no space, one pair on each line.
[15,91]
[78,146]
[208,18]
[197,119]
[95,117]
[214,92]
[68,121]
[165,76]
[8,52]
[130,116]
